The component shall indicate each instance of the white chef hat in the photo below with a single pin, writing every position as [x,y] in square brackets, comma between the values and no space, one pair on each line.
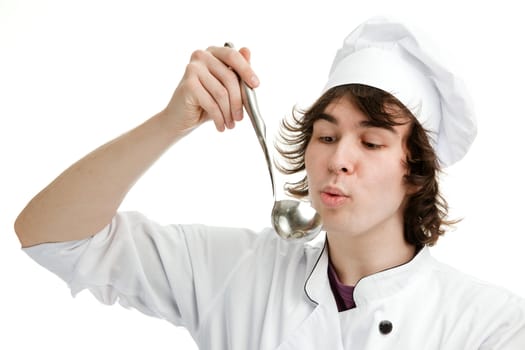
[385,55]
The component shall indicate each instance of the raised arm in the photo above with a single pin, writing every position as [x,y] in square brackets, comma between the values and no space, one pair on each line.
[84,198]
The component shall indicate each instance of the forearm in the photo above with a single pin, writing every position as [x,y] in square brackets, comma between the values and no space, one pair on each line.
[84,198]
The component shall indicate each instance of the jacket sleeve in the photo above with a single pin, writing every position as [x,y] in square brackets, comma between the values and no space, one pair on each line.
[170,272]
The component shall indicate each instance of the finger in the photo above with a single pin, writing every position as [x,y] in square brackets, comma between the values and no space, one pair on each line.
[210,108]
[232,108]
[232,105]
[238,62]
[245,52]
[224,87]
[221,83]
[200,98]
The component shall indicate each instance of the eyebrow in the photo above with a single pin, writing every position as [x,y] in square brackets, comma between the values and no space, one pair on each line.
[363,124]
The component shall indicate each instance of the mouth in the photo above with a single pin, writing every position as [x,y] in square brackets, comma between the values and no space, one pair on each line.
[333,197]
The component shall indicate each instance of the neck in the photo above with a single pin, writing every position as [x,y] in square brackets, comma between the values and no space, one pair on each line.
[358,256]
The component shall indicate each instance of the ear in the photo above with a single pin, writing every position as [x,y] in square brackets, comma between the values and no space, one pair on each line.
[413,189]
[410,187]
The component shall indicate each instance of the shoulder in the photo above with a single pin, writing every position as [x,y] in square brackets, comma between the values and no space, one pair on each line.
[466,286]
[490,309]
[463,283]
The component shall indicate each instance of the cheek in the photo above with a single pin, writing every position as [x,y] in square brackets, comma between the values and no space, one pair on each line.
[397,181]
[314,160]
[390,174]
[309,159]
[312,166]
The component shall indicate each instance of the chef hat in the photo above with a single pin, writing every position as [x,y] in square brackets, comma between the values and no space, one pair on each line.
[385,55]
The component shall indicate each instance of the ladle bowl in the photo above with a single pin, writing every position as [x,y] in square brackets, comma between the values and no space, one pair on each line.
[295,220]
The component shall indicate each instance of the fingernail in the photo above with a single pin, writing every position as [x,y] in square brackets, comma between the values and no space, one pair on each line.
[254,80]
[237,115]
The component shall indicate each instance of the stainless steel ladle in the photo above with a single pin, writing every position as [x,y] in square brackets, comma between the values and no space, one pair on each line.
[292,219]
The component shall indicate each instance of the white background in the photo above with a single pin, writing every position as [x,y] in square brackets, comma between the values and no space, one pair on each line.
[74,74]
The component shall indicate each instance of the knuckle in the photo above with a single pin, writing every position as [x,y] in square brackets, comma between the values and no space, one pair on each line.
[233,77]
[231,56]
[221,93]
[192,83]
[198,55]
[192,68]
[211,108]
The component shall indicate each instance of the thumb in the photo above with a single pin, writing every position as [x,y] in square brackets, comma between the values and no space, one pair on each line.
[245,52]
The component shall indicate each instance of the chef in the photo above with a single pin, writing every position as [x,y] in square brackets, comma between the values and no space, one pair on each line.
[372,146]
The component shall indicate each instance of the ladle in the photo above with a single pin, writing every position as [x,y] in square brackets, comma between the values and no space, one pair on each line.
[292,219]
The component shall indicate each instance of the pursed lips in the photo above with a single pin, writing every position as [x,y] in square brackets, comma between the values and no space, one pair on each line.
[333,196]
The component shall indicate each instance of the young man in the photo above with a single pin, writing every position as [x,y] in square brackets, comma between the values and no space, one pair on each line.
[371,147]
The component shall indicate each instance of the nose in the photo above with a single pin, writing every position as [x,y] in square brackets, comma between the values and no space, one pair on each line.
[343,160]
[339,169]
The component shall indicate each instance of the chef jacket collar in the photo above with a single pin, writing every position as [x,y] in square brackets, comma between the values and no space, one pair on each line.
[374,287]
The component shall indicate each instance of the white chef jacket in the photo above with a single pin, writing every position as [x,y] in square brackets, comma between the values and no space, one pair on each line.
[237,289]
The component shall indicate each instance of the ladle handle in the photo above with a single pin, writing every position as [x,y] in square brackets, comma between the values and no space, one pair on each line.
[249,100]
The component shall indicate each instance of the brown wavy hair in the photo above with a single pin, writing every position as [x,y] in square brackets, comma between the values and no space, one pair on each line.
[426,210]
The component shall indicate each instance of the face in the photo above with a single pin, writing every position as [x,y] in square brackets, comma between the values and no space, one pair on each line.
[355,172]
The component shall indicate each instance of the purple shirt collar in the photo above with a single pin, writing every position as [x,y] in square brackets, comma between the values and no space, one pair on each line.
[343,294]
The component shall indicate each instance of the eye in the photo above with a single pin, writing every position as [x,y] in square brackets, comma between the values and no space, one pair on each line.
[371,145]
[327,139]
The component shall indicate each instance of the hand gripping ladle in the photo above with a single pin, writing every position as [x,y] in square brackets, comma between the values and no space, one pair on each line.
[292,219]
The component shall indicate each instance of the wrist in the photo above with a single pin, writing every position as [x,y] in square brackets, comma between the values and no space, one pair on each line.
[169,123]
